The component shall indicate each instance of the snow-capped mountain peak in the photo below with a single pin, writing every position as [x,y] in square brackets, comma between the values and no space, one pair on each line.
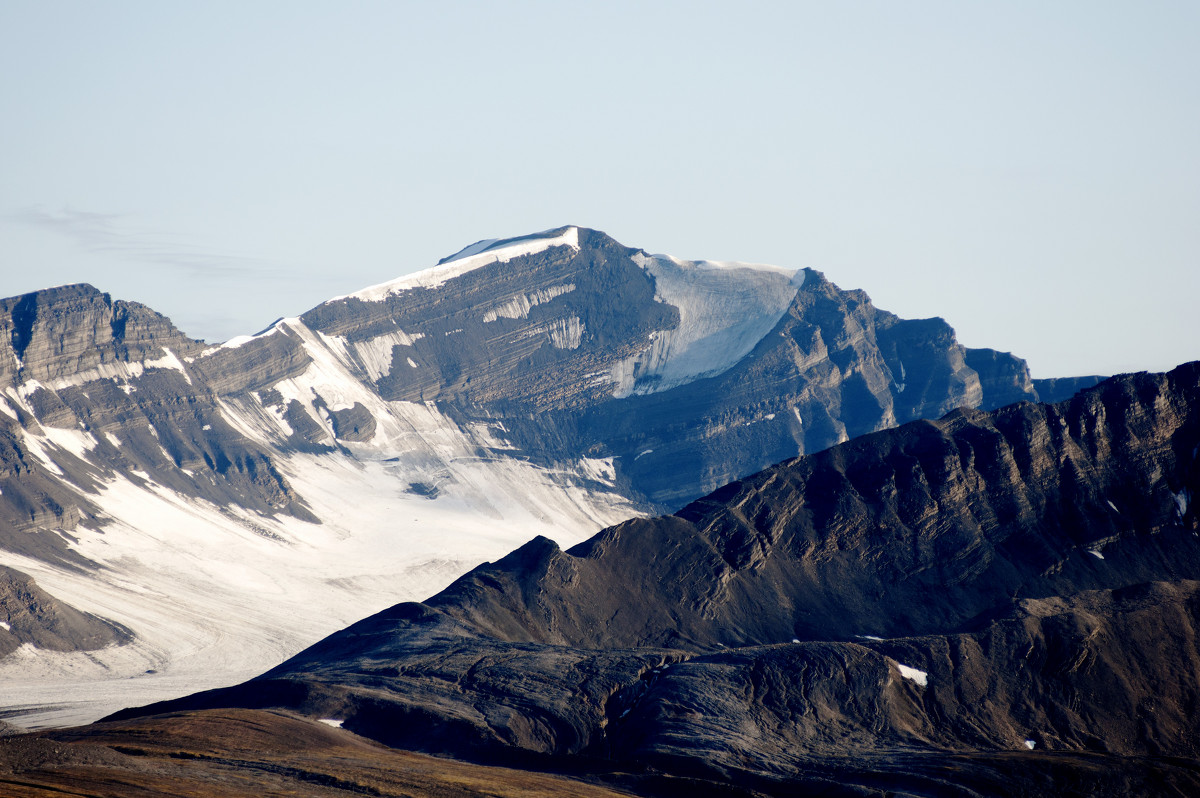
[479,254]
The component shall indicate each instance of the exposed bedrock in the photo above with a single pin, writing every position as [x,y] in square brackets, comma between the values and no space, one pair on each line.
[1016,592]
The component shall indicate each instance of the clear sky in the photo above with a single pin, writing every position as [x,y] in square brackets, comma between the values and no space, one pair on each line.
[1029,171]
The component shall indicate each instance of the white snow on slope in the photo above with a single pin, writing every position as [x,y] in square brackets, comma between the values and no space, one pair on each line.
[724,310]
[913,674]
[518,307]
[218,595]
[169,361]
[375,355]
[118,371]
[462,263]
[241,340]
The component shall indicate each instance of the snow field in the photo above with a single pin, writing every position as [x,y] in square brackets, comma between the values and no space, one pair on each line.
[468,260]
[217,595]
[725,309]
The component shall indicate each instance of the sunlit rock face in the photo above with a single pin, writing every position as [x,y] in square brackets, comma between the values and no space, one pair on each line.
[689,374]
[262,492]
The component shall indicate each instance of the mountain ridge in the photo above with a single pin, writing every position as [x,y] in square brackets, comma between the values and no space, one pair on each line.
[819,623]
[370,451]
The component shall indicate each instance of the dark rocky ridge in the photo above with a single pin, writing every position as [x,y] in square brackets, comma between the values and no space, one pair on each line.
[729,642]
[506,345]
[977,507]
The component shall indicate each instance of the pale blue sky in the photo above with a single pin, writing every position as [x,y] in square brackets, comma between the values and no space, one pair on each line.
[1030,171]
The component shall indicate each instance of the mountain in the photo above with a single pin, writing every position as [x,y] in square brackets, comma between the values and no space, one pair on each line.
[1001,603]
[225,505]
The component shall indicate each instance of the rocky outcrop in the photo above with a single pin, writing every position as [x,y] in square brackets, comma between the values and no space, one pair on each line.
[39,506]
[595,347]
[125,383]
[62,333]
[975,509]
[1015,592]
[29,615]
[579,348]
[555,383]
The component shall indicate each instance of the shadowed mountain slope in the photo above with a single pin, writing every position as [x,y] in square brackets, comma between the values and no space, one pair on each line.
[230,504]
[997,603]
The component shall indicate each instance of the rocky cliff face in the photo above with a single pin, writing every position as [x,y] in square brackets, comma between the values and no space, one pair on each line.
[975,509]
[115,374]
[30,616]
[688,374]
[553,384]
[988,589]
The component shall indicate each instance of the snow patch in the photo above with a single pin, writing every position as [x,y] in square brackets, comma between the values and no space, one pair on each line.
[485,435]
[169,361]
[118,371]
[643,454]
[1110,504]
[241,340]
[35,447]
[563,333]
[472,258]
[375,355]
[913,674]
[4,625]
[725,309]
[519,306]
[1096,553]
[412,362]
[1031,744]
[598,469]
[281,418]
[566,333]
[1182,499]
[337,724]
[75,441]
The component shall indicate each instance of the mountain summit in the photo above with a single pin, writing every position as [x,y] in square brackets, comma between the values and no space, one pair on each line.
[224,505]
